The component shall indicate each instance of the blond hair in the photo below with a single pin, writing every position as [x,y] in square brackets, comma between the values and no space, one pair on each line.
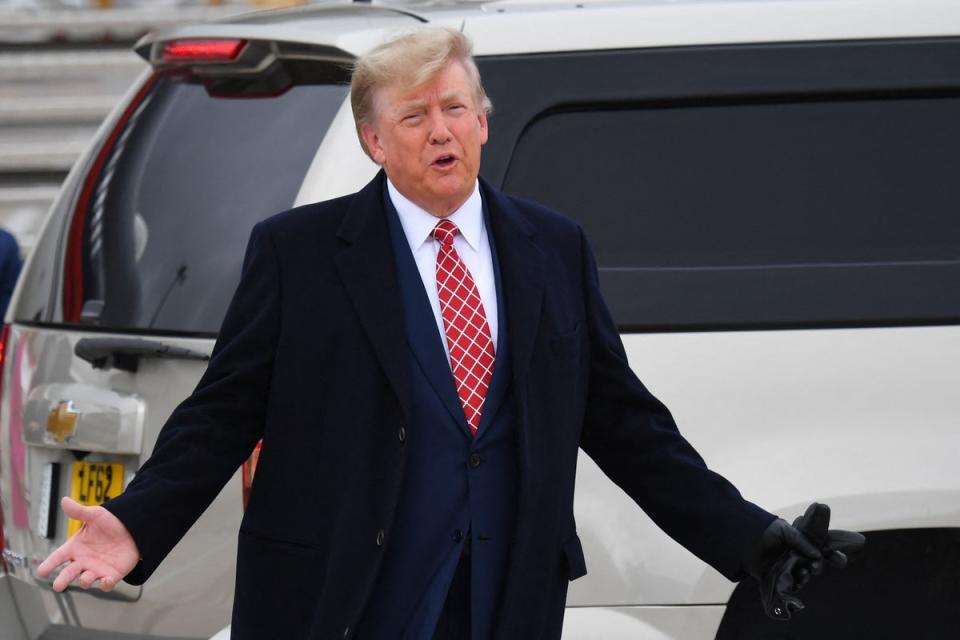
[406,62]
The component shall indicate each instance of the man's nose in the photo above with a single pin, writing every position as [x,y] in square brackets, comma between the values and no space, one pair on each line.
[439,132]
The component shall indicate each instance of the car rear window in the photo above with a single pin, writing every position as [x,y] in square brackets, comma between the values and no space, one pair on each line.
[173,206]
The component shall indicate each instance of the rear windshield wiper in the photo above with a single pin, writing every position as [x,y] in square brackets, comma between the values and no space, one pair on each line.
[125,353]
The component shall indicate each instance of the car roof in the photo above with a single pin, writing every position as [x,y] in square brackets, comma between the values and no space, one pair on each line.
[502,27]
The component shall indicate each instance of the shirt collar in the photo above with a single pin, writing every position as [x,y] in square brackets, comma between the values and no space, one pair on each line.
[418,224]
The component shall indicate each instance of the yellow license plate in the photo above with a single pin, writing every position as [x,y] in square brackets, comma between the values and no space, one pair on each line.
[92,484]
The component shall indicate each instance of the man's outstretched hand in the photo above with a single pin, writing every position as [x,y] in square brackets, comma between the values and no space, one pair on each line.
[786,556]
[103,550]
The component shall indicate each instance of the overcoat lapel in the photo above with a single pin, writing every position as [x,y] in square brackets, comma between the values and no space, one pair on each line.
[501,369]
[367,269]
[522,275]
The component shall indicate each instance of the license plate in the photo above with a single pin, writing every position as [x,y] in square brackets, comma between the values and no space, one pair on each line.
[92,484]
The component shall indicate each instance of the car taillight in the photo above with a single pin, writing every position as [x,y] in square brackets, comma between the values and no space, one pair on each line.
[249,469]
[202,50]
[4,338]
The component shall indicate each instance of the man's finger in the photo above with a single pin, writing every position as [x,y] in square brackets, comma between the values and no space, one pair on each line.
[76,510]
[54,560]
[846,541]
[99,570]
[837,559]
[87,578]
[786,582]
[801,577]
[107,583]
[799,542]
[816,567]
[67,575]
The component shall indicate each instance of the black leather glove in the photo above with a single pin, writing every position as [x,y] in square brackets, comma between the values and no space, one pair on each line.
[783,557]
[834,544]
[786,556]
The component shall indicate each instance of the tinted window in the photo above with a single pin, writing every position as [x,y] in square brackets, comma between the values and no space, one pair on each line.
[184,184]
[743,187]
[759,185]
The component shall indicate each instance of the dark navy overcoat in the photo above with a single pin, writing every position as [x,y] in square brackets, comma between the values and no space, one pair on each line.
[312,357]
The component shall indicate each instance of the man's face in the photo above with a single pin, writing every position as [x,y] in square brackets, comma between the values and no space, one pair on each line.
[428,139]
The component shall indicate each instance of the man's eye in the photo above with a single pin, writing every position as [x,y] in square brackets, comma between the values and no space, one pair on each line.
[412,119]
[456,107]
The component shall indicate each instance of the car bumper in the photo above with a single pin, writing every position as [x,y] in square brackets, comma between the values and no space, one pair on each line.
[629,623]
[693,622]
[24,617]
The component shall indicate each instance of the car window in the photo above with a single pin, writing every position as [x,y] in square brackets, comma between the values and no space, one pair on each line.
[752,185]
[183,185]
[746,187]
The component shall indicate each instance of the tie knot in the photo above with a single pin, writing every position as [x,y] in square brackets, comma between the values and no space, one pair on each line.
[445,232]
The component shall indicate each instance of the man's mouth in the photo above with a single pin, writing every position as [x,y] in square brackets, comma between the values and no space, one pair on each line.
[445,161]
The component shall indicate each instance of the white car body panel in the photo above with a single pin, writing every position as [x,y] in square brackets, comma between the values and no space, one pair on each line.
[500,28]
[616,25]
[865,420]
[641,623]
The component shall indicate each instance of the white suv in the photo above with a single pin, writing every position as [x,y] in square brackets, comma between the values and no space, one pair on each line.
[772,192]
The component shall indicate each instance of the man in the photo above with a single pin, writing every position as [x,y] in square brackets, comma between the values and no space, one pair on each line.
[422,360]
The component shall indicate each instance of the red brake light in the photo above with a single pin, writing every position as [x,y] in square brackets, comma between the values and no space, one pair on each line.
[249,469]
[4,337]
[202,50]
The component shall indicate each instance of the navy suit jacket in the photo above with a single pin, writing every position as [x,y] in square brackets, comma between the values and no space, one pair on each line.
[313,357]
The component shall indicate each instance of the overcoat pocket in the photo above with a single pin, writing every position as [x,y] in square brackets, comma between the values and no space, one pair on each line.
[268,606]
[566,343]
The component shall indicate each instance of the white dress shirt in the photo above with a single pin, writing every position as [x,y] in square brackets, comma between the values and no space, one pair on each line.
[471,244]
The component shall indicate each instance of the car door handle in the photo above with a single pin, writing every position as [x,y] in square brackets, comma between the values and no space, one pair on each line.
[125,353]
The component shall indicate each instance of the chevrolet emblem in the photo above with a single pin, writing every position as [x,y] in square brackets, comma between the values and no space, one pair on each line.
[61,421]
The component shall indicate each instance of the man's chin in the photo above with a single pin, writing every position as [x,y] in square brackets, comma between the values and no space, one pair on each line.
[447,200]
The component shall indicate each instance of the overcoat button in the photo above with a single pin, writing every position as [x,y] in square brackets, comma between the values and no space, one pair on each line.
[346,632]
[474,460]
[380,538]
[402,435]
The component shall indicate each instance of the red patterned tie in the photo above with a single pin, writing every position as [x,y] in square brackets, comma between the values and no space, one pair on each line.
[468,334]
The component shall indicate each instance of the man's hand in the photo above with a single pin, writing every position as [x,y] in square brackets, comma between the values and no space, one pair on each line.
[786,556]
[833,543]
[103,550]
[784,559]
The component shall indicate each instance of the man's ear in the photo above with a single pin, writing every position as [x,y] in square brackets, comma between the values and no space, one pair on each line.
[484,131]
[372,141]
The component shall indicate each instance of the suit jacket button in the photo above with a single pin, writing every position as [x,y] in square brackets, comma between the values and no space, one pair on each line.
[346,632]
[457,535]
[380,536]
[475,460]
[402,435]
